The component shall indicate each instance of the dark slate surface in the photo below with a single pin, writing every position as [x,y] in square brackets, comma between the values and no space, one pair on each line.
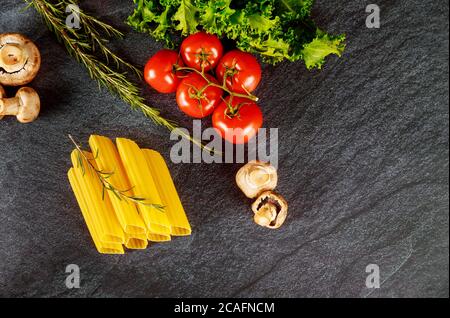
[363,164]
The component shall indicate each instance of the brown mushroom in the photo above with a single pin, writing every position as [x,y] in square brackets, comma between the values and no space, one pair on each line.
[20,59]
[256,177]
[270,210]
[25,105]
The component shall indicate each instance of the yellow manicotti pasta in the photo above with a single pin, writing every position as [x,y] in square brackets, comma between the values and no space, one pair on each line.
[158,237]
[102,247]
[114,221]
[136,241]
[174,209]
[144,186]
[108,160]
[100,206]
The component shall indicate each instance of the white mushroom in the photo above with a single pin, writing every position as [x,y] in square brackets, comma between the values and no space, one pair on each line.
[270,210]
[20,59]
[25,105]
[256,177]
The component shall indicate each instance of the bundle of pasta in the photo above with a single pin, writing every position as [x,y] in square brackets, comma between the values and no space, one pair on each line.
[126,195]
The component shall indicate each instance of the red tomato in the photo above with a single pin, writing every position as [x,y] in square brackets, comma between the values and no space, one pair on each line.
[241,69]
[195,103]
[201,50]
[158,72]
[240,125]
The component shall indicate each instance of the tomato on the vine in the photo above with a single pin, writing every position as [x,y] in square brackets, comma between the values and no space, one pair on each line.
[242,71]
[237,119]
[202,51]
[195,98]
[159,71]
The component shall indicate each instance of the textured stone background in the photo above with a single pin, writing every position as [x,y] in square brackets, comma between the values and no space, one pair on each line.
[363,163]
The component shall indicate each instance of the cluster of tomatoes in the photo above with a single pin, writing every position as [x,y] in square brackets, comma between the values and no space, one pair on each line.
[208,82]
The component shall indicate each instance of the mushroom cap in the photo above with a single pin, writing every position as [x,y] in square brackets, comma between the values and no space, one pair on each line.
[20,59]
[270,210]
[30,105]
[256,177]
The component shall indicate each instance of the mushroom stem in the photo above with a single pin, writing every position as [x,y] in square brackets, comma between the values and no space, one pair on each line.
[266,215]
[270,210]
[25,105]
[9,106]
[11,54]
[258,176]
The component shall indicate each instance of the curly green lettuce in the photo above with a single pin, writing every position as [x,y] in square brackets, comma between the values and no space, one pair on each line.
[277,30]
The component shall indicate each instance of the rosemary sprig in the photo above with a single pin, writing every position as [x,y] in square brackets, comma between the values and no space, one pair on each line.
[83,44]
[103,177]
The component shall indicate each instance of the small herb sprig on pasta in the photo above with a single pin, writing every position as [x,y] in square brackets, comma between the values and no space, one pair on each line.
[103,177]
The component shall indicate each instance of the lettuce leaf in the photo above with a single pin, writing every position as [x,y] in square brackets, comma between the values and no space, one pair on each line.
[314,53]
[186,17]
[295,9]
[277,30]
[216,15]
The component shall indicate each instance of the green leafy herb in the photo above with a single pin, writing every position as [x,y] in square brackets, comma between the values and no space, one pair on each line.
[323,44]
[277,30]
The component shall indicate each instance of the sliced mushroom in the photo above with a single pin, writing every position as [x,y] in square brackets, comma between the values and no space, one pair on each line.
[270,210]
[20,59]
[256,177]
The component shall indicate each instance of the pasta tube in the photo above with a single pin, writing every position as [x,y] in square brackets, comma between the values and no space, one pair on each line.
[108,160]
[144,186]
[136,241]
[103,248]
[99,204]
[155,237]
[174,209]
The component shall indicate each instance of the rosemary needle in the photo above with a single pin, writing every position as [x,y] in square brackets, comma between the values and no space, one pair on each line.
[85,43]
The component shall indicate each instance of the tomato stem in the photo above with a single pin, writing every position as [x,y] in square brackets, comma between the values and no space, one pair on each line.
[210,83]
